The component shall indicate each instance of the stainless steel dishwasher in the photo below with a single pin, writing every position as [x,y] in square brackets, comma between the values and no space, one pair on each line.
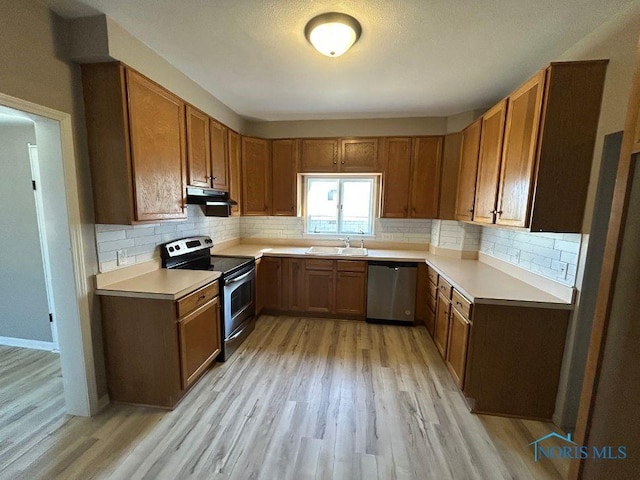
[391,292]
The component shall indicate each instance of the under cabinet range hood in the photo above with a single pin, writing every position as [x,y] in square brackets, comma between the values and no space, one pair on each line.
[215,203]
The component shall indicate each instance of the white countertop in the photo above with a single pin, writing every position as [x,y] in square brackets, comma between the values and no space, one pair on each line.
[479,282]
[161,284]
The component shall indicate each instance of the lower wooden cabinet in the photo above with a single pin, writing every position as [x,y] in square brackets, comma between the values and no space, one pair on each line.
[259,293]
[314,286]
[156,349]
[459,328]
[441,329]
[422,292]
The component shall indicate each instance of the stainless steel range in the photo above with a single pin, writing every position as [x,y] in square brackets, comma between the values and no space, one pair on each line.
[238,284]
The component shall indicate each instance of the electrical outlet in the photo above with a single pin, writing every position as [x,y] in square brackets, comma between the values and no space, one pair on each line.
[563,270]
[122,257]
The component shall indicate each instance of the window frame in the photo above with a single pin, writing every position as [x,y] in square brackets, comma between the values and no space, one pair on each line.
[373,205]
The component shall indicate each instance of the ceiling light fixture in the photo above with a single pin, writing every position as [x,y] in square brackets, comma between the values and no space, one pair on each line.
[333,33]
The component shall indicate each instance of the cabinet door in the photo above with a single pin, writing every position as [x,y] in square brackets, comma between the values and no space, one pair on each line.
[441,330]
[157,132]
[351,293]
[457,346]
[359,155]
[198,148]
[519,153]
[489,163]
[319,291]
[256,176]
[219,156]
[422,293]
[199,334]
[271,285]
[292,284]
[466,191]
[284,167]
[259,288]
[430,321]
[449,176]
[397,177]
[235,159]
[319,155]
[425,181]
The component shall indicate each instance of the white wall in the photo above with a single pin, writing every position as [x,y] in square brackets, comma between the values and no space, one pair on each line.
[25,310]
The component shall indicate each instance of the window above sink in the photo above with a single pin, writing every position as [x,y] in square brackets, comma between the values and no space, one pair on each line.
[340,205]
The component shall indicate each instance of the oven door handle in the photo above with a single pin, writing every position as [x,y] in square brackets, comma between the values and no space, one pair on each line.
[240,278]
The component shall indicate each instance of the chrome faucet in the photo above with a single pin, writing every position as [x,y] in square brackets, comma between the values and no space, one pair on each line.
[361,239]
[347,242]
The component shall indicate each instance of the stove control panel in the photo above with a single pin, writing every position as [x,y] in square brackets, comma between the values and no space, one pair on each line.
[185,246]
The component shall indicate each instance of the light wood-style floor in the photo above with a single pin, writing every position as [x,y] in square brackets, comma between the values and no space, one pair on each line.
[301,399]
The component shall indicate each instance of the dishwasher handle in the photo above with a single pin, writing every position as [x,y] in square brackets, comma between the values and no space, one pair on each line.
[393,265]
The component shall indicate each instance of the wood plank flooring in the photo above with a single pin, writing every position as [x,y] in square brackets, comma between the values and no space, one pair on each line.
[301,399]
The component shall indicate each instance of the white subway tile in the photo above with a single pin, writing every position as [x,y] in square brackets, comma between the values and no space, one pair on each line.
[111,235]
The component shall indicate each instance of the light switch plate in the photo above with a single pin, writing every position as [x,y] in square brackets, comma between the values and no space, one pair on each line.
[122,258]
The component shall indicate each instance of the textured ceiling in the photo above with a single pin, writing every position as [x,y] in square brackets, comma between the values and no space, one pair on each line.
[415,57]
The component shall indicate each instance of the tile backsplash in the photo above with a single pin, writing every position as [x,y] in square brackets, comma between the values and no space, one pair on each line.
[388,230]
[455,235]
[141,241]
[552,255]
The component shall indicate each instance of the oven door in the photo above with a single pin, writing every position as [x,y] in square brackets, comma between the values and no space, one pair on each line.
[239,304]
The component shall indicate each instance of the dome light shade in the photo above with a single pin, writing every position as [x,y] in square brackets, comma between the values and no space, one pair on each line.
[332,34]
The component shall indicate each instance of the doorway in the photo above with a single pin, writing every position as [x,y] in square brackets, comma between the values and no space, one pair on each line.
[63,249]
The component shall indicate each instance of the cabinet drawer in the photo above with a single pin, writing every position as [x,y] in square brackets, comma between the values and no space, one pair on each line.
[431,300]
[351,266]
[317,264]
[433,275]
[433,290]
[444,287]
[196,299]
[461,304]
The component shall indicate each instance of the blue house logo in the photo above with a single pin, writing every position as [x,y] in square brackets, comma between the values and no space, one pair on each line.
[572,450]
[537,449]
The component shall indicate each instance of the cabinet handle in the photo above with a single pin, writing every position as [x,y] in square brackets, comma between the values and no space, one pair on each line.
[471,210]
[499,212]
[342,162]
[214,178]
[492,211]
[202,297]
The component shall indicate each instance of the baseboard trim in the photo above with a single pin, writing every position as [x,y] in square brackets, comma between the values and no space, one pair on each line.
[103,401]
[25,343]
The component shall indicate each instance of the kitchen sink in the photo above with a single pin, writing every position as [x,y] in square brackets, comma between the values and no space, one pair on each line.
[342,251]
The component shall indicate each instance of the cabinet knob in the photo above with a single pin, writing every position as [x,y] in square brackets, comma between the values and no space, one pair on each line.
[342,162]
[471,210]
[492,211]
[499,212]
[214,178]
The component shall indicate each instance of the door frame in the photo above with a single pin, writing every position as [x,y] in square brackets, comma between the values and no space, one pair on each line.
[76,348]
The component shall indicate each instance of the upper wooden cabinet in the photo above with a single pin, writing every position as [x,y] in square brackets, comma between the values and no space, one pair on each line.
[468,171]
[235,160]
[358,155]
[425,180]
[411,181]
[396,178]
[219,156]
[198,148]
[543,161]
[339,155]
[489,163]
[518,154]
[137,146]
[449,176]
[319,155]
[256,176]
[284,160]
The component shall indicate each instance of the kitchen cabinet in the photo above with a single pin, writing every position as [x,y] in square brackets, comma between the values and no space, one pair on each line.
[235,171]
[549,126]
[156,349]
[198,148]
[256,176]
[396,177]
[466,189]
[425,179]
[137,146]
[422,292]
[293,284]
[351,287]
[319,155]
[271,283]
[459,328]
[358,155]
[449,176]
[319,292]
[260,279]
[219,156]
[492,127]
[432,300]
[284,158]
[441,328]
